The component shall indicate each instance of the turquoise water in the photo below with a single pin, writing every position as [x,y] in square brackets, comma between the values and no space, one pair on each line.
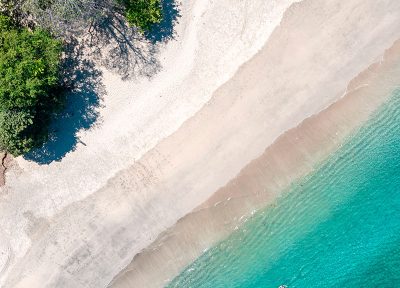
[339,227]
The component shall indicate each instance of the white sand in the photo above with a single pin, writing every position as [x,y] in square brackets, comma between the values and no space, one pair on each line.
[77,223]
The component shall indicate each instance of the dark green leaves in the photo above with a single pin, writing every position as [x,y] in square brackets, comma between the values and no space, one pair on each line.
[14,131]
[143,13]
[29,71]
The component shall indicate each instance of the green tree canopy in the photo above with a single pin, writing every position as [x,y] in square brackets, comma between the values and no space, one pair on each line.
[29,73]
[143,13]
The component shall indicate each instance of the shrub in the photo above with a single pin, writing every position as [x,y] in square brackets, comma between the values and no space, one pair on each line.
[29,75]
[143,13]
[14,127]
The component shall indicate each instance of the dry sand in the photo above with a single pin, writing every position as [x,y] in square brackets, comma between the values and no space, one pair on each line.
[78,222]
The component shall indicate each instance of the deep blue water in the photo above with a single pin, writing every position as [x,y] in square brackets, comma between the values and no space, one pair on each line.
[338,227]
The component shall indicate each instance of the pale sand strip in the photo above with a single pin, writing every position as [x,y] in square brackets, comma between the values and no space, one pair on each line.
[297,74]
[293,155]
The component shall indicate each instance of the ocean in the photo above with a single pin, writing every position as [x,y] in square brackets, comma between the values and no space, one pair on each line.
[337,227]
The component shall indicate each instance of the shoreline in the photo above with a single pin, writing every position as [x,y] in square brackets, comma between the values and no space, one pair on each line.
[71,236]
[294,155]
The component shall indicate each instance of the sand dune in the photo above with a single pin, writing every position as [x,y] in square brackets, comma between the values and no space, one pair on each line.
[166,145]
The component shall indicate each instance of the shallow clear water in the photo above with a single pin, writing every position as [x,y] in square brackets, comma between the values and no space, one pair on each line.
[338,227]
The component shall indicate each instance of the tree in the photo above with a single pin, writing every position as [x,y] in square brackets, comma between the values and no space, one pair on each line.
[29,75]
[61,16]
[74,16]
[143,13]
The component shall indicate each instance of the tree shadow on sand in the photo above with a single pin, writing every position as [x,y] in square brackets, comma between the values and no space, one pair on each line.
[166,29]
[127,52]
[83,93]
[121,49]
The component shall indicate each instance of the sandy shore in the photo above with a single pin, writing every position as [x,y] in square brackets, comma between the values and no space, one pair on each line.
[79,222]
[293,155]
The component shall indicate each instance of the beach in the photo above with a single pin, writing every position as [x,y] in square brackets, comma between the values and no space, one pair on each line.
[233,110]
[295,154]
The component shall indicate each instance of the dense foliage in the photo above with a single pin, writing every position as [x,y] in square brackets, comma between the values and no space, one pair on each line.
[29,75]
[143,13]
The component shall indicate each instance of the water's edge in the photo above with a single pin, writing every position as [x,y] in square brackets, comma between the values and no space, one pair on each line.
[336,227]
[292,156]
